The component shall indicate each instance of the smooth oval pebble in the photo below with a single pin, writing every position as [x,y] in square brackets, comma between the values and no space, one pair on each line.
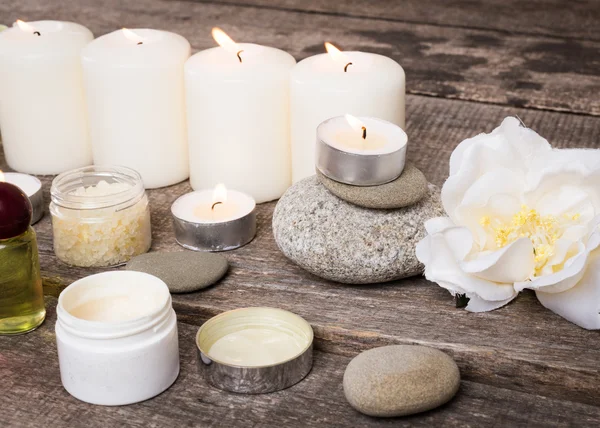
[400,380]
[408,189]
[183,271]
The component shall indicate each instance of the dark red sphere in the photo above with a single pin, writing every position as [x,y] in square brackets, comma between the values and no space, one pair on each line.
[15,211]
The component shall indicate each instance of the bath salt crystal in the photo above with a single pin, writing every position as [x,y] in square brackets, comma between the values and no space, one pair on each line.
[103,188]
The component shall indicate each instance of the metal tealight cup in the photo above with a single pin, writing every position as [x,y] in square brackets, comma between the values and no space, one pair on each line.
[360,169]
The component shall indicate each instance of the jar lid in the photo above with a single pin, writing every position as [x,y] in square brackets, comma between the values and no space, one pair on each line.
[255,350]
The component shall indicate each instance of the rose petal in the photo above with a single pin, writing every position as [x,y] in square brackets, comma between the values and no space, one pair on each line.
[581,303]
[438,224]
[443,269]
[512,263]
[479,305]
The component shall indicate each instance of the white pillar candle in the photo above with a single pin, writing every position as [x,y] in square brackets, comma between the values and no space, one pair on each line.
[136,106]
[42,107]
[238,118]
[335,83]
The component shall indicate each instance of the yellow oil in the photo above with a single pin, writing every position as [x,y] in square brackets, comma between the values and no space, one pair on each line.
[21,295]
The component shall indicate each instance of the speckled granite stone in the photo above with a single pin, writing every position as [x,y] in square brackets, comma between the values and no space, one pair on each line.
[400,380]
[406,190]
[346,243]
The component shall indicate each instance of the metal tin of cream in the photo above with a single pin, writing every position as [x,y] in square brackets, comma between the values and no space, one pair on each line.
[255,350]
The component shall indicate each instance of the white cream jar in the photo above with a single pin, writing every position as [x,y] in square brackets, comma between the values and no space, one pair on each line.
[116,335]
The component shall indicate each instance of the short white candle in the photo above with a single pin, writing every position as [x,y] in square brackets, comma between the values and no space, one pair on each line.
[238,118]
[42,105]
[362,136]
[136,106]
[213,206]
[27,183]
[332,84]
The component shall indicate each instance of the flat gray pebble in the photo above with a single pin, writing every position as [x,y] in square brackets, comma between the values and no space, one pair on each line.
[400,380]
[183,271]
[343,242]
[406,190]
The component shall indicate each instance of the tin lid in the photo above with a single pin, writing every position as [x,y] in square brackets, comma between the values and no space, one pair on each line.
[255,350]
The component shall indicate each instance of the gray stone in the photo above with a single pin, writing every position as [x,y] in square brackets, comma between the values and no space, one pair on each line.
[346,243]
[184,271]
[400,380]
[406,190]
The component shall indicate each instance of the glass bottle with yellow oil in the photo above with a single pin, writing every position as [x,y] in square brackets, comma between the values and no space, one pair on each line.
[21,297]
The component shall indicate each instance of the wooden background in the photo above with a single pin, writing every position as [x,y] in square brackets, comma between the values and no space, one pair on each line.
[469,64]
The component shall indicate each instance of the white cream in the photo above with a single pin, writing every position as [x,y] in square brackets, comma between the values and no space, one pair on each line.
[114,309]
[115,298]
[257,346]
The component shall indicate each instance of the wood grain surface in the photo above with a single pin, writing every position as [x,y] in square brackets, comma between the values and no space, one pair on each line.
[508,68]
[469,64]
[33,397]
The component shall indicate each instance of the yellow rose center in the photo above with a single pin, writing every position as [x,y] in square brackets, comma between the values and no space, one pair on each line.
[543,231]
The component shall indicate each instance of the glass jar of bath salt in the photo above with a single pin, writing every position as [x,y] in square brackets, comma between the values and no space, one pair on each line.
[100,216]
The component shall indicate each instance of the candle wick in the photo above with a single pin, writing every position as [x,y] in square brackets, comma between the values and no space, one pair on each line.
[238,55]
[140,43]
[37,33]
[346,67]
[215,204]
[364,130]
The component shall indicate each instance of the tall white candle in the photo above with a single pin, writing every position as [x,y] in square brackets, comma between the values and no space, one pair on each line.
[335,83]
[42,108]
[136,106]
[238,118]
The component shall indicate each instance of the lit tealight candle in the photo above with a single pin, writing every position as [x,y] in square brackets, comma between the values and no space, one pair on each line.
[214,220]
[32,187]
[334,83]
[360,151]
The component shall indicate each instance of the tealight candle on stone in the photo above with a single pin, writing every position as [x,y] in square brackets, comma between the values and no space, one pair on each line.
[238,118]
[360,151]
[136,103]
[32,187]
[331,84]
[214,220]
[42,108]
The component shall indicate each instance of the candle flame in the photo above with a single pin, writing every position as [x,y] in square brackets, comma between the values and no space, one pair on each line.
[224,40]
[2,178]
[133,36]
[357,125]
[220,194]
[336,54]
[25,26]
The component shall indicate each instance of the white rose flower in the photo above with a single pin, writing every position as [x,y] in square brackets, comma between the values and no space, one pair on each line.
[520,215]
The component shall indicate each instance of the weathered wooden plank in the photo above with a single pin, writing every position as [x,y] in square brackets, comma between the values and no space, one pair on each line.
[510,348]
[34,397]
[501,68]
[556,18]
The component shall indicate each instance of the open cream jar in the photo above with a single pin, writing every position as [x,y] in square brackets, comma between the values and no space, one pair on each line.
[116,335]
[255,350]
